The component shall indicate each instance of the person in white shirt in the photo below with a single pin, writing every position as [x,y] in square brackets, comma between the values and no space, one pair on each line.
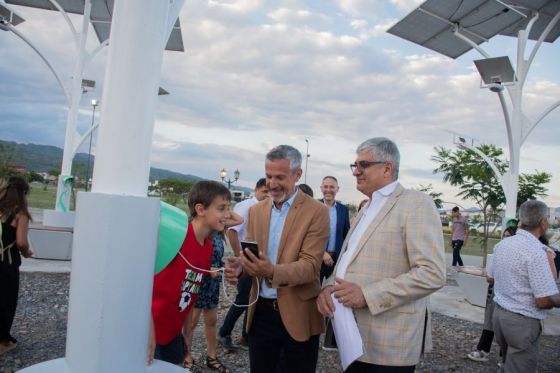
[523,288]
[391,261]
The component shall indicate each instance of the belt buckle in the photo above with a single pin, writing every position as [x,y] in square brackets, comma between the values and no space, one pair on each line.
[275,305]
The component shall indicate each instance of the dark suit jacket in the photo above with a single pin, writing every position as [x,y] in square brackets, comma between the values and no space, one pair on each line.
[300,253]
[342,227]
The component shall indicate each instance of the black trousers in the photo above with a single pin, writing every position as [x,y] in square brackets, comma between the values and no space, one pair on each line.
[173,352]
[234,312]
[272,350]
[325,272]
[9,290]
[485,341]
[457,245]
[360,367]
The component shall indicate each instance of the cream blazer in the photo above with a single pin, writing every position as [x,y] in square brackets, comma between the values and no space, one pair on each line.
[398,263]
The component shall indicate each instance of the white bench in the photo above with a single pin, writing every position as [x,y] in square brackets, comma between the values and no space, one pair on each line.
[472,281]
[51,242]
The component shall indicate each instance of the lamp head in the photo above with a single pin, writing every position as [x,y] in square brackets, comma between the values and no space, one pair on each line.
[496,87]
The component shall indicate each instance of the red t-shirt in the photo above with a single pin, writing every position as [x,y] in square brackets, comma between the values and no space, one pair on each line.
[177,286]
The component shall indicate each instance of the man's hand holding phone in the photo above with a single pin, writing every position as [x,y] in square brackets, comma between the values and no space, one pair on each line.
[255,264]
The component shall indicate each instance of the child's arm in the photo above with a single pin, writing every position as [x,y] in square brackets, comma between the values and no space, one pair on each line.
[151,342]
[234,219]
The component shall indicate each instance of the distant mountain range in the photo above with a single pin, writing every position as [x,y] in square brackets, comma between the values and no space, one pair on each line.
[44,158]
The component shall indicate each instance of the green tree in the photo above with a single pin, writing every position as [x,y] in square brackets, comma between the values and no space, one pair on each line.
[174,190]
[54,172]
[429,189]
[175,186]
[7,153]
[34,176]
[477,182]
[532,186]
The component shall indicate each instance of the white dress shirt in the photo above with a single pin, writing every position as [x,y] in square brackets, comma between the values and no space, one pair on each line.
[371,209]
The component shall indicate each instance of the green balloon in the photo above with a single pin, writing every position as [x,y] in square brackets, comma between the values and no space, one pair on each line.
[173,226]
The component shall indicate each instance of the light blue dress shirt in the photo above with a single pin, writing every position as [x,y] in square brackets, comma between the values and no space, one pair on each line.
[277,219]
[332,229]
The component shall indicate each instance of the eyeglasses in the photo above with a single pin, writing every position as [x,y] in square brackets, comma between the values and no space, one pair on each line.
[362,165]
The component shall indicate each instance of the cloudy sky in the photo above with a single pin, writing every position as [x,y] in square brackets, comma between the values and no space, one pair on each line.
[259,73]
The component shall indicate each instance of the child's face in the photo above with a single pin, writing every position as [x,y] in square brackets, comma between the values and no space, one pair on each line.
[216,214]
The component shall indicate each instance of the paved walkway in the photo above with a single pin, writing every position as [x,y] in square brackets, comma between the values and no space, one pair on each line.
[449,300]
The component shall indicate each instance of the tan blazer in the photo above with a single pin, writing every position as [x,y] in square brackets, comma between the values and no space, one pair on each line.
[300,253]
[398,263]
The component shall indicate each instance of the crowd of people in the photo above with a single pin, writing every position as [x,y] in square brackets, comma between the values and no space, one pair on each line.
[365,282]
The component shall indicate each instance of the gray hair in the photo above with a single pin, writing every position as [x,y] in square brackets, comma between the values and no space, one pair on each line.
[531,213]
[286,152]
[384,150]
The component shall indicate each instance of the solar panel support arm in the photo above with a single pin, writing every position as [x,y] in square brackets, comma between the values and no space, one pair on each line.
[539,119]
[94,52]
[68,22]
[82,138]
[512,8]
[497,173]
[457,32]
[543,36]
[455,25]
[45,60]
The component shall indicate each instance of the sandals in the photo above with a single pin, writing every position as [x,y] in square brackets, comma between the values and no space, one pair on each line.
[7,347]
[190,365]
[215,364]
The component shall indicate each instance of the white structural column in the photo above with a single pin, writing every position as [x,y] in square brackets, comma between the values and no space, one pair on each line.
[116,224]
[64,188]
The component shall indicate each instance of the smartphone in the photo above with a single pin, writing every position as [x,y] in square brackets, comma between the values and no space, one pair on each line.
[251,245]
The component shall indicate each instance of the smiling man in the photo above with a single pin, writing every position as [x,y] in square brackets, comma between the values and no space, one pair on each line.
[339,224]
[391,261]
[292,232]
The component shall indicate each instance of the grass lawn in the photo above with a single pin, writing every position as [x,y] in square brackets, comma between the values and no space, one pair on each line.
[44,198]
[473,246]
[41,196]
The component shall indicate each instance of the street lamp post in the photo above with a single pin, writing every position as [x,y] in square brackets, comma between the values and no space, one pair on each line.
[223,175]
[94,104]
[306,159]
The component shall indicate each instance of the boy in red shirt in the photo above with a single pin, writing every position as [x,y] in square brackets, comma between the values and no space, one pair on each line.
[177,286]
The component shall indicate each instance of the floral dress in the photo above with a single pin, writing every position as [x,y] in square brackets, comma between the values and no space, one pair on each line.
[209,295]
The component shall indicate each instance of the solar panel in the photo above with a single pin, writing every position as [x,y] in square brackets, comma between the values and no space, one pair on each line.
[432,24]
[9,16]
[100,17]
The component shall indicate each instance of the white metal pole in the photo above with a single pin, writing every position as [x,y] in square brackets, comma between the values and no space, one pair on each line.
[116,229]
[63,191]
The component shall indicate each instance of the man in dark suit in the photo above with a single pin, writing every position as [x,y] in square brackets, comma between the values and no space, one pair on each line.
[338,227]
[292,231]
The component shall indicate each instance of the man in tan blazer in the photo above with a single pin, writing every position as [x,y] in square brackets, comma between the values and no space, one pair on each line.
[391,260]
[292,232]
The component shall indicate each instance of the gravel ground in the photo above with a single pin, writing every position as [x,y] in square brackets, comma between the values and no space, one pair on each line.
[40,327]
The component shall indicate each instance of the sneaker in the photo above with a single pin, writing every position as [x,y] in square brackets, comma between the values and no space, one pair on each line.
[226,343]
[325,348]
[478,355]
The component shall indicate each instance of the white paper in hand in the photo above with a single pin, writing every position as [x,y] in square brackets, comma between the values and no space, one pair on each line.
[348,338]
